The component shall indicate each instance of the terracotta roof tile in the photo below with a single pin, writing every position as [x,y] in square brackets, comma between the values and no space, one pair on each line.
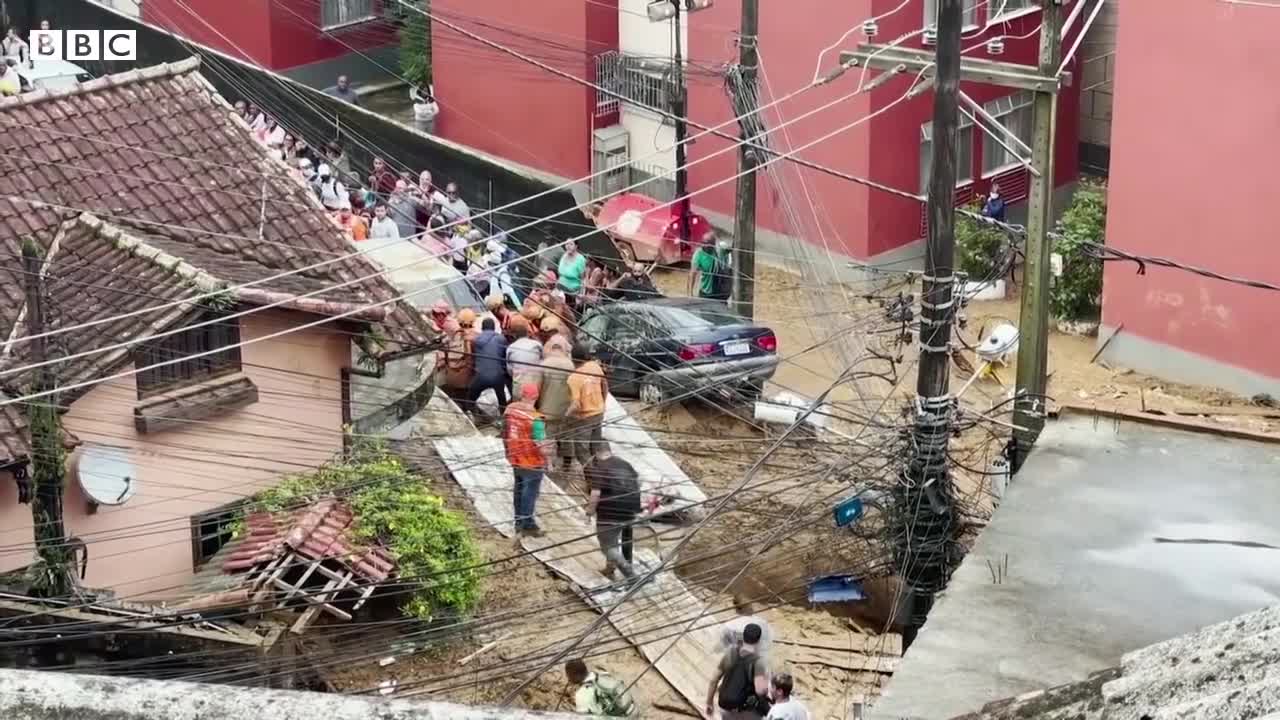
[321,531]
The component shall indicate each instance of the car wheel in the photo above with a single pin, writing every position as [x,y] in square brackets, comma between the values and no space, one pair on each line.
[650,394]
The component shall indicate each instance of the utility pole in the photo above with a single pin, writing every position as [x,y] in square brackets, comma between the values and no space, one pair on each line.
[744,217]
[923,514]
[923,519]
[1033,323]
[47,455]
[680,110]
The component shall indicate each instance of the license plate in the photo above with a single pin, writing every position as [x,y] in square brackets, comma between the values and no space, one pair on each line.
[737,347]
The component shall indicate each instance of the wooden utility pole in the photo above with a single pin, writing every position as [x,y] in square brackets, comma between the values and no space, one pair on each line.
[47,454]
[744,218]
[1033,324]
[924,514]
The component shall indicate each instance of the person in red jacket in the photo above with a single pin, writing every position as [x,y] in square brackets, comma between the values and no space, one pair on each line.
[524,435]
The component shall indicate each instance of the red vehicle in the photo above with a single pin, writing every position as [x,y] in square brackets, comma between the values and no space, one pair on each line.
[647,230]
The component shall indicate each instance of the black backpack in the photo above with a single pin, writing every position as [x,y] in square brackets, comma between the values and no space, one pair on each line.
[738,688]
[721,276]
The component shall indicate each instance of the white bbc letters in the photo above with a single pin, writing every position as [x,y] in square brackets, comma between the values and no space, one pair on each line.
[80,45]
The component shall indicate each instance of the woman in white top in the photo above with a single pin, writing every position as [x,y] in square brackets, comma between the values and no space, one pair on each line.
[14,46]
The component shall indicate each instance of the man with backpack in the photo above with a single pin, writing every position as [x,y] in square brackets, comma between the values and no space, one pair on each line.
[615,502]
[598,693]
[711,271]
[740,686]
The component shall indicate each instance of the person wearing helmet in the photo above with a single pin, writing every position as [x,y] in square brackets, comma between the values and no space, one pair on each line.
[454,363]
[497,306]
[467,320]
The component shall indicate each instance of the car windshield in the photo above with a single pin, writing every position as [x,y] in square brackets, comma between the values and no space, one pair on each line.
[456,292]
[697,317]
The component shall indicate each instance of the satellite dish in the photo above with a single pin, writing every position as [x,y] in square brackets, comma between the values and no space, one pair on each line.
[106,474]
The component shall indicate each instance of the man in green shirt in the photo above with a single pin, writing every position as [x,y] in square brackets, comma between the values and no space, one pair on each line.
[710,271]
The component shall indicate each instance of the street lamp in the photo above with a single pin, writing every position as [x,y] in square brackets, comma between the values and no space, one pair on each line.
[661,11]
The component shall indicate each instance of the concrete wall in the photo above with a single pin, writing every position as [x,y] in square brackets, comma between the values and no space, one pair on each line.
[27,695]
[143,548]
[494,102]
[1195,190]
[1098,58]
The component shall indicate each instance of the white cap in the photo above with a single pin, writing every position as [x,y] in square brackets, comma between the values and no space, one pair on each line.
[325,171]
[304,163]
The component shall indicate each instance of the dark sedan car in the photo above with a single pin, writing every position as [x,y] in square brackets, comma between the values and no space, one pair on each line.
[669,347]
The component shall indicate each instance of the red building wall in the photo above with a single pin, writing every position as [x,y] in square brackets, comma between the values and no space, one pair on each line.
[1193,179]
[494,102]
[276,34]
[504,106]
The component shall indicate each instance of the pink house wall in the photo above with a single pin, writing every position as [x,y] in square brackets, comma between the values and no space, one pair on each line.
[143,548]
[1193,179]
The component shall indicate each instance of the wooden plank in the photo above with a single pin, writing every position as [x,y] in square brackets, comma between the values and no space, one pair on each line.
[841,659]
[653,617]
[887,644]
[659,474]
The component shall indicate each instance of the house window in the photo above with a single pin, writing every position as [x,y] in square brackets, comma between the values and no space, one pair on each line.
[223,337]
[1003,8]
[969,13]
[211,531]
[336,13]
[964,153]
[1014,112]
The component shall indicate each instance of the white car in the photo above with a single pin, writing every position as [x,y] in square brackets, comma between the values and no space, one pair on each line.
[52,74]
[423,278]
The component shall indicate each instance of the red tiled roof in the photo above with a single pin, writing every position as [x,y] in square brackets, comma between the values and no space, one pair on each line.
[155,190]
[321,531]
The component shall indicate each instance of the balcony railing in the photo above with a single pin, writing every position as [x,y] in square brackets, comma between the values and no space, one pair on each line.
[340,13]
[642,81]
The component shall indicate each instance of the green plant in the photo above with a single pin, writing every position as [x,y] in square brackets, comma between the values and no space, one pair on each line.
[978,246]
[431,543]
[415,47]
[1077,293]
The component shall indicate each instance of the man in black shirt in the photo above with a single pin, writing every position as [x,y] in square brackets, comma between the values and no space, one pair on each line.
[615,503]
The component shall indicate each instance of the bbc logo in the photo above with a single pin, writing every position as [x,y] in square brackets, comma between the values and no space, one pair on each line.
[76,45]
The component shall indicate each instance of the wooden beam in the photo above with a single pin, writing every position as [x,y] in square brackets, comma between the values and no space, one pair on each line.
[883,57]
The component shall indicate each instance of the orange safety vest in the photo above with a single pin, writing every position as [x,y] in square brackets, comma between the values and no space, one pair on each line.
[517,436]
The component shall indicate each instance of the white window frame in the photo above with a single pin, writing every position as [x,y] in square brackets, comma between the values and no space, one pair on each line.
[964,171]
[994,7]
[336,6]
[1000,108]
[970,14]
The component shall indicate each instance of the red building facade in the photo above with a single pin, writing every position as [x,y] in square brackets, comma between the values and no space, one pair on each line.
[312,41]
[504,106]
[1193,181]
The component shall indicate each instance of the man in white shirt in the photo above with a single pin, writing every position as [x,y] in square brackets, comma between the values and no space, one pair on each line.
[450,207]
[333,194]
[784,706]
[383,227]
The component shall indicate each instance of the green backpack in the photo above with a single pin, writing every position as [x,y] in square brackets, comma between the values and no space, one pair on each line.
[610,697]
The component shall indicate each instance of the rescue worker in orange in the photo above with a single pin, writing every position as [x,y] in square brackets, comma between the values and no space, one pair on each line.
[524,434]
[454,364]
[440,312]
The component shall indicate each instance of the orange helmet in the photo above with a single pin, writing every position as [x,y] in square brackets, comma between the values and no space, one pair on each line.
[466,316]
[550,323]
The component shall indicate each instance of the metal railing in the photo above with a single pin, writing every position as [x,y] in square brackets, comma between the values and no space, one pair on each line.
[337,13]
[644,81]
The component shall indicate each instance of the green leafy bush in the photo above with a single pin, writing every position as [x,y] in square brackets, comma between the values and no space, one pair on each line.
[978,246]
[1077,293]
[415,47]
[432,544]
